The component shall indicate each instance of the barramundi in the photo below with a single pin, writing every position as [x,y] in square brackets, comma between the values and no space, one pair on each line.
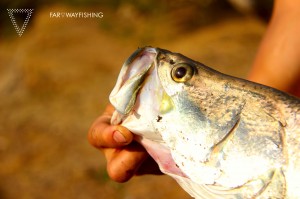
[218,136]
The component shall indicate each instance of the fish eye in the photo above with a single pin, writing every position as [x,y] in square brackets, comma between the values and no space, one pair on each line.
[182,73]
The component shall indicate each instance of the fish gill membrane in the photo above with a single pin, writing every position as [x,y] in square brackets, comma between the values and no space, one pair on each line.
[218,136]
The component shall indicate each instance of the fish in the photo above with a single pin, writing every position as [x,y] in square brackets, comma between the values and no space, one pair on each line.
[217,135]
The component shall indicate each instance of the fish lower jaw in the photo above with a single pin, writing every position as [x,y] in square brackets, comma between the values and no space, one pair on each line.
[162,156]
[117,118]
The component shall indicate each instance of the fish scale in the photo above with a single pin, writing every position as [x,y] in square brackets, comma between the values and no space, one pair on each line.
[218,136]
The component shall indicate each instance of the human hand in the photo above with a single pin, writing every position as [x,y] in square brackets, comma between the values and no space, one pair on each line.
[125,157]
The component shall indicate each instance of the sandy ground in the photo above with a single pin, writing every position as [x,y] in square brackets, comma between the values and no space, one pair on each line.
[56,78]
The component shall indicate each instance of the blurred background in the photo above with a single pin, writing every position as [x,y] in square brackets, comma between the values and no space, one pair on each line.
[55,80]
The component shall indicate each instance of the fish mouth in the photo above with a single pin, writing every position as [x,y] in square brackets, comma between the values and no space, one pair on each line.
[138,98]
[131,78]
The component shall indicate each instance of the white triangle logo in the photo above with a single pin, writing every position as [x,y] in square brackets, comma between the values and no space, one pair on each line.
[13,20]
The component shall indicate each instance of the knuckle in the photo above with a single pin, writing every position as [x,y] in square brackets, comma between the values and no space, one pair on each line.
[95,136]
[100,136]
[119,173]
[92,136]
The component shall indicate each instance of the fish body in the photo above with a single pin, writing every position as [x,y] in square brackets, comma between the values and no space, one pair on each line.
[219,136]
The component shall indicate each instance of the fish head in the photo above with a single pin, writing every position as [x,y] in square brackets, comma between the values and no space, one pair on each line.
[152,83]
[151,100]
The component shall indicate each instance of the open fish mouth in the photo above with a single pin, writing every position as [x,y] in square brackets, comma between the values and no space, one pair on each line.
[136,97]
[130,79]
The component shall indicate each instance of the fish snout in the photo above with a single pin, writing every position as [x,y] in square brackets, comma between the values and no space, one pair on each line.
[133,72]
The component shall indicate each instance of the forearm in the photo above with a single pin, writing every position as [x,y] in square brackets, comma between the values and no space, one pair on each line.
[277,63]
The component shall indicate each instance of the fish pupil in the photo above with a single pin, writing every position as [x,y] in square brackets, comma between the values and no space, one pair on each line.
[180,72]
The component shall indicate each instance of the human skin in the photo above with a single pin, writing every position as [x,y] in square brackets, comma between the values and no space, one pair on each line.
[277,64]
[125,157]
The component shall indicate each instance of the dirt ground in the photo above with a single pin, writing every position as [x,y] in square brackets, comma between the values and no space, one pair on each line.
[56,78]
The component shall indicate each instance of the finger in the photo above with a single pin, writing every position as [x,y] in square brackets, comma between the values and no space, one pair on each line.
[123,163]
[102,134]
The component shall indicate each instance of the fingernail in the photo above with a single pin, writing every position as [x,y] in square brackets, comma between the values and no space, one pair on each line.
[119,137]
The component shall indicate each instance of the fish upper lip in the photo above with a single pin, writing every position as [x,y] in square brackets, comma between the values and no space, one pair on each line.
[131,77]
